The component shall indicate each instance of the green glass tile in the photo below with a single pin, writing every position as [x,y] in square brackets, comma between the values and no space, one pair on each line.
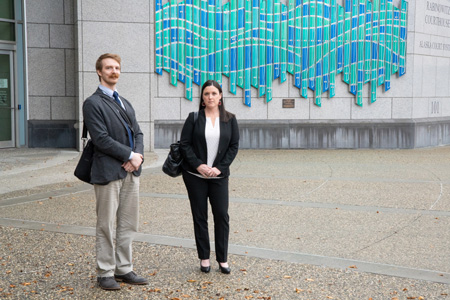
[269,49]
[255,43]
[382,43]
[241,42]
[312,44]
[304,22]
[284,42]
[395,40]
[347,40]
[333,48]
[173,42]
[226,39]
[375,35]
[319,53]
[262,49]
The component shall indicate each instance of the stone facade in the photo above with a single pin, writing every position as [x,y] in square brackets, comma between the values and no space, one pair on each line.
[52,101]
[66,37]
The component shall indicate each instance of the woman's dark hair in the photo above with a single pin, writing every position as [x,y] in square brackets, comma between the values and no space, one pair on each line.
[225,116]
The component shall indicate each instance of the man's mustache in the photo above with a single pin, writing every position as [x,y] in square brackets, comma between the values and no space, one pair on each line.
[115,76]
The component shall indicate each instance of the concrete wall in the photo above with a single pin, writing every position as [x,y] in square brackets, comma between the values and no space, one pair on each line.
[125,28]
[66,37]
[52,103]
[414,113]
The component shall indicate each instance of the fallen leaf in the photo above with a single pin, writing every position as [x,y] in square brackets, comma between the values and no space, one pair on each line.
[12,286]
[298,291]
[309,279]
[191,280]
[353,267]
[287,276]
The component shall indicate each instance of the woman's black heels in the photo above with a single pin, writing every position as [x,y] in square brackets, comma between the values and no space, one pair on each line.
[205,269]
[225,270]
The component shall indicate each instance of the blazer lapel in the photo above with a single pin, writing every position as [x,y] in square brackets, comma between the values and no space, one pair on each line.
[114,108]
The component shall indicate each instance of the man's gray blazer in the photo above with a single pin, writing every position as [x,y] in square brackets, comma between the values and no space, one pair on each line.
[109,135]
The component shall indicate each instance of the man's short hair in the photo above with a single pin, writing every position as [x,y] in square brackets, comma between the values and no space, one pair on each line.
[99,63]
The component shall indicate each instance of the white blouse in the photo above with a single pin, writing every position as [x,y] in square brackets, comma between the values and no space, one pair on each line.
[212,136]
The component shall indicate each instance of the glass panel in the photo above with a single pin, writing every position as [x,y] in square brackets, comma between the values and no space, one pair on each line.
[7,31]
[7,9]
[5,98]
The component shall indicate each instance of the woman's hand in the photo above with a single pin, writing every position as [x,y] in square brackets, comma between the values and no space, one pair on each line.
[214,172]
[207,171]
[204,170]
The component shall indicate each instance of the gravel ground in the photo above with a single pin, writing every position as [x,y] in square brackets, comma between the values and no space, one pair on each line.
[62,266]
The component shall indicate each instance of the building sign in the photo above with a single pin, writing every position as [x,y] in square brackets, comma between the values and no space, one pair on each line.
[3,83]
[254,42]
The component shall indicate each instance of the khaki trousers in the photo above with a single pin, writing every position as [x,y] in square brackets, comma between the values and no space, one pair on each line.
[117,202]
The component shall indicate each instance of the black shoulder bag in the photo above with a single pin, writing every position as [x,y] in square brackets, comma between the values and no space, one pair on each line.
[83,168]
[172,165]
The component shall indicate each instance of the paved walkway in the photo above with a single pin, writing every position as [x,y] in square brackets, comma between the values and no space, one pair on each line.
[305,224]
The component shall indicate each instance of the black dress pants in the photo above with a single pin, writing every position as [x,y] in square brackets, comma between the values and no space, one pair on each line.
[199,190]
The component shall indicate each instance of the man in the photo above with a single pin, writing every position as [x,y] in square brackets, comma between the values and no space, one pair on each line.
[111,122]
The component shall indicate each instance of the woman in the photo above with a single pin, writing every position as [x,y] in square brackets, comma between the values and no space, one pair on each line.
[209,144]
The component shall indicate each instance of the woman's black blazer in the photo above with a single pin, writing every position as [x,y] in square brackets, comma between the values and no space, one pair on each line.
[194,149]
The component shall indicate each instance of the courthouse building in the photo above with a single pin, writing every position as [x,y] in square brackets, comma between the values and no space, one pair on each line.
[297,74]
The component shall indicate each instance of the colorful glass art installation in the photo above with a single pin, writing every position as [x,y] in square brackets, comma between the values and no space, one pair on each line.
[254,42]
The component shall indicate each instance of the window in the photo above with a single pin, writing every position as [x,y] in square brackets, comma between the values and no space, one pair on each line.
[7,23]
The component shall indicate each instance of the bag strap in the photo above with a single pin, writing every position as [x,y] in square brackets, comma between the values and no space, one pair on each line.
[195,116]
[84,135]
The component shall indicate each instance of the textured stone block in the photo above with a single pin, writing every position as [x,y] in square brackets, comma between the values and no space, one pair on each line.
[277,112]
[381,109]
[166,89]
[135,87]
[38,35]
[62,36]
[418,78]
[336,108]
[69,16]
[189,106]
[117,11]
[45,11]
[63,108]
[70,72]
[402,108]
[130,41]
[46,72]
[166,108]
[429,76]
[420,108]
[443,78]
[39,108]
